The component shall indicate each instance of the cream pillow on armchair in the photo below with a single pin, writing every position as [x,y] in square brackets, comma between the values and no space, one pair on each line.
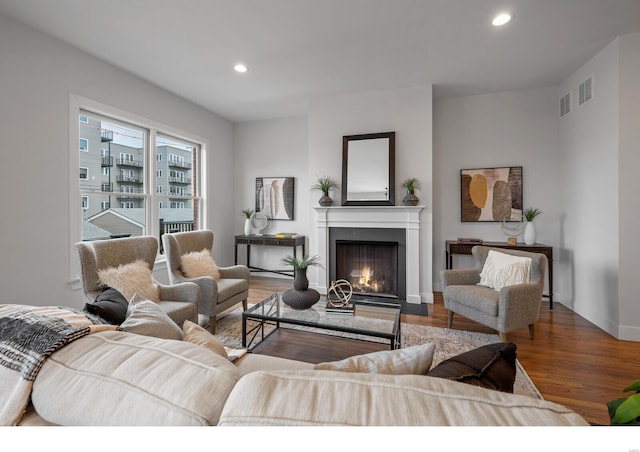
[502,270]
[129,279]
[199,263]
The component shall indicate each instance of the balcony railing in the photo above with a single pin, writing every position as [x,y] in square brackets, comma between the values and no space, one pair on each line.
[180,180]
[183,165]
[107,186]
[130,179]
[125,162]
[107,161]
[106,135]
[173,226]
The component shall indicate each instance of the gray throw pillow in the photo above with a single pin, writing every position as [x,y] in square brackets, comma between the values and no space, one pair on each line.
[148,319]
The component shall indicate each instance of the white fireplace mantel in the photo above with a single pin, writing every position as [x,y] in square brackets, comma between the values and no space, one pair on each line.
[394,217]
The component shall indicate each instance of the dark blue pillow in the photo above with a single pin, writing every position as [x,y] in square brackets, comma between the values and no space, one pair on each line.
[109,305]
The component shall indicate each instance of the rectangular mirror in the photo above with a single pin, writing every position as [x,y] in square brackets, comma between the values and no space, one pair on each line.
[368,169]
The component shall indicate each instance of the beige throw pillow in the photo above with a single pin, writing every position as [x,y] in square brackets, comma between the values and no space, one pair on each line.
[502,270]
[414,360]
[199,263]
[195,334]
[129,279]
[148,319]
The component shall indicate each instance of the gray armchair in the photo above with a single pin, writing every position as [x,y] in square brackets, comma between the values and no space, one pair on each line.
[511,308]
[180,302]
[215,296]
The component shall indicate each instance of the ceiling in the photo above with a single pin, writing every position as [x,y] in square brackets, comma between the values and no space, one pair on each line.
[300,50]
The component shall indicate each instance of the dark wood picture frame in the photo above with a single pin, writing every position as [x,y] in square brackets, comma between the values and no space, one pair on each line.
[385,196]
[491,194]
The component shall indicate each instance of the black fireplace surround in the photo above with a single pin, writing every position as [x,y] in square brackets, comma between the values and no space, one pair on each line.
[355,253]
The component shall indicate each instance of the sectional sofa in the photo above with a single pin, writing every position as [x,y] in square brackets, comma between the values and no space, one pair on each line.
[117,377]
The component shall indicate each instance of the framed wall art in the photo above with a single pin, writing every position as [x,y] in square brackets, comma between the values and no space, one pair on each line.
[491,194]
[274,197]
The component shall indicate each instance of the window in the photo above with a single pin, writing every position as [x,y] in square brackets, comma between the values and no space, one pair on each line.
[84,119]
[124,200]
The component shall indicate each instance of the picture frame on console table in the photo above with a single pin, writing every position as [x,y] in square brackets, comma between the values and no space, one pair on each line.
[491,194]
[274,197]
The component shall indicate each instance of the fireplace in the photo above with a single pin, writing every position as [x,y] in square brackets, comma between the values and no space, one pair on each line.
[388,224]
[372,260]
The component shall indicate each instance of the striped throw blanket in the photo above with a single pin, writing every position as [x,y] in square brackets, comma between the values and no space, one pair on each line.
[28,335]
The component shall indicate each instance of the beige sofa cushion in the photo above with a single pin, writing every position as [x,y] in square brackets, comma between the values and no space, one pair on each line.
[414,360]
[309,397]
[119,378]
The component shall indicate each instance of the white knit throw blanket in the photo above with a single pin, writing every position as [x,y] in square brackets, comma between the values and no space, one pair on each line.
[28,335]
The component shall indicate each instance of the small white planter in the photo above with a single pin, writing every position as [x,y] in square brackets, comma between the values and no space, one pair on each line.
[247,226]
[529,233]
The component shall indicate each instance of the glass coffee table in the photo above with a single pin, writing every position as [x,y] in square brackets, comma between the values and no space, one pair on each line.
[367,322]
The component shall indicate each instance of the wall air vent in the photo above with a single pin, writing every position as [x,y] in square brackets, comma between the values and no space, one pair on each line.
[565,104]
[585,91]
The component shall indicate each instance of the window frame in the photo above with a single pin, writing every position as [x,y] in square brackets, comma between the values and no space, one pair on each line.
[77,104]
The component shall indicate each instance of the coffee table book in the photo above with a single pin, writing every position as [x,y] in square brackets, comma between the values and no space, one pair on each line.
[348,309]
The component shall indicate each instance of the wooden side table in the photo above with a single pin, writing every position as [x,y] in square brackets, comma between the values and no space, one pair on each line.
[269,240]
[455,247]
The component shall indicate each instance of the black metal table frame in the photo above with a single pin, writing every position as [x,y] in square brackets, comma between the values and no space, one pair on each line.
[395,338]
[269,240]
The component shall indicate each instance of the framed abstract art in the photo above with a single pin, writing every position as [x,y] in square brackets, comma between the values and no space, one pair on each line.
[491,194]
[274,197]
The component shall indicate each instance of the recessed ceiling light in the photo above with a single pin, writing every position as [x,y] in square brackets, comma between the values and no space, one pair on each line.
[501,19]
[240,68]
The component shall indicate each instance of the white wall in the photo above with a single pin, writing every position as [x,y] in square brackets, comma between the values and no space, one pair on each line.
[589,140]
[408,112]
[629,203]
[273,148]
[38,75]
[518,128]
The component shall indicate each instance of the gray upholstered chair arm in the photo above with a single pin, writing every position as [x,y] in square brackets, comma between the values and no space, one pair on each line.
[459,277]
[235,272]
[520,303]
[186,292]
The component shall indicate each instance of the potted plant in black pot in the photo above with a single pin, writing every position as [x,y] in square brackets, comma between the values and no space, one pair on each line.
[411,185]
[301,297]
[325,184]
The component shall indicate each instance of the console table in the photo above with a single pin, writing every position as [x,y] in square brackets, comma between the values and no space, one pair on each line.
[455,247]
[269,240]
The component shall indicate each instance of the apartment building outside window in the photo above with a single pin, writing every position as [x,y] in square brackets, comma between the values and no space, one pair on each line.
[128,194]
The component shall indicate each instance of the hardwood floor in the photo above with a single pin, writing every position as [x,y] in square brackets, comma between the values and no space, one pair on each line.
[571,361]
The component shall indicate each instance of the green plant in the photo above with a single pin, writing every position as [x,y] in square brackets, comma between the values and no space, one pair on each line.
[411,184]
[303,262]
[324,184]
[530,213]
[247,212]
[626,410]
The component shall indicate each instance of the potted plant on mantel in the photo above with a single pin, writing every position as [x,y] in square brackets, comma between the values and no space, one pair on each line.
[529,230]
[411,185]
[301,297]
[325,184]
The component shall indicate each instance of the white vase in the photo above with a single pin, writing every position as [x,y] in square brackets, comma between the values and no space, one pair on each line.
[529,233]
[247,227]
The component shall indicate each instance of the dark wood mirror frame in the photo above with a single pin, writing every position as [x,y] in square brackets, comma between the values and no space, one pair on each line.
[389,200]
